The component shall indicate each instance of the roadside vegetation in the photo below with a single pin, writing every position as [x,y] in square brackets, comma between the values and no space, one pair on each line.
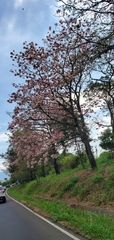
[64,197]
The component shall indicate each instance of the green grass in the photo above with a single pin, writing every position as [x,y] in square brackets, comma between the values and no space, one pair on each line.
[90,225]
[69,185]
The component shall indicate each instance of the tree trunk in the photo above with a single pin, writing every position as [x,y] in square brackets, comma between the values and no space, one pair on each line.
[43,169]
[90,154]
[56,166]
[85,140]
[110,106]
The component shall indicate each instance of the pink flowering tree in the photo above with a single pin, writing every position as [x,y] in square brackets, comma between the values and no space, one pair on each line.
[33,141]
[56,78]
[52,90]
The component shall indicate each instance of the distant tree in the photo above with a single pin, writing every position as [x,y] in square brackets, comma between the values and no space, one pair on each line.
[17,168]
[23,173]
[9,157]
[107,140]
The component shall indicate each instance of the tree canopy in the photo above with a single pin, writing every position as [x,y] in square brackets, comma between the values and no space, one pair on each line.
[52,110]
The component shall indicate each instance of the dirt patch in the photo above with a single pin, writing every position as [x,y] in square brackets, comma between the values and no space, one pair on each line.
[100,210]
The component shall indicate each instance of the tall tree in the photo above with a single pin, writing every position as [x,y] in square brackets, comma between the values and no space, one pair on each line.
[56,78]
[100,91]
[57,75]
[97,15]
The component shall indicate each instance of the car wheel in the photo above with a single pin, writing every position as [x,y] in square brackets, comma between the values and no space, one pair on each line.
[4,200]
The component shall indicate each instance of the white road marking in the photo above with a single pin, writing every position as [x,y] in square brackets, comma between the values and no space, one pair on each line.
[54,225]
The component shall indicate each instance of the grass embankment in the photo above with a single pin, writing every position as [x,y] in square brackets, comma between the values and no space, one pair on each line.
[52,197]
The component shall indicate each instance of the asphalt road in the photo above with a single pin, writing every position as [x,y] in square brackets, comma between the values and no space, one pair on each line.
[18,223]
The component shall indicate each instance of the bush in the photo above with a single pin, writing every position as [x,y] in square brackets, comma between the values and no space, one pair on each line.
[68,161]
[98,179]
[73,180]
[104,157]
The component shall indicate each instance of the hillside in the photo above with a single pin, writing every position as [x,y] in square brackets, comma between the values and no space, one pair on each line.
[84,187]
[74,191]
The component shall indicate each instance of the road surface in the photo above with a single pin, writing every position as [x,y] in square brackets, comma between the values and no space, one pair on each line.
[19,223]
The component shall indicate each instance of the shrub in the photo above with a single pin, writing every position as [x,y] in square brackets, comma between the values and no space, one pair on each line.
[98,179]
[73,180]
[68,161]
[104,157]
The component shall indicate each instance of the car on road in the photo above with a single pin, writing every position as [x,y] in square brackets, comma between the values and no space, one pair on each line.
[4,187]
[2,194]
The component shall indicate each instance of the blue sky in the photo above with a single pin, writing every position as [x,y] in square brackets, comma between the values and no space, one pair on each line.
[17,26]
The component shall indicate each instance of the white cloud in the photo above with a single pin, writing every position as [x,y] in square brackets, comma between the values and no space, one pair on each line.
[3,137]
[60,3]
[12,36]
[1,164]
[18,3]
[3,147]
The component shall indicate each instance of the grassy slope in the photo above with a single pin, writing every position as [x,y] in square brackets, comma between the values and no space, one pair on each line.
[86,187]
